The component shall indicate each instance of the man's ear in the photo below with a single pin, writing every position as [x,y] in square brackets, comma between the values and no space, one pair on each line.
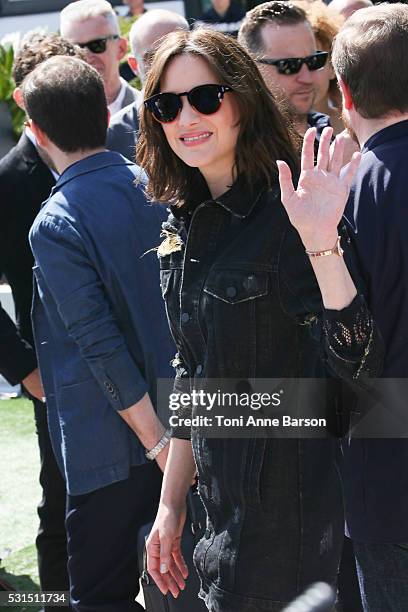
[346,94]
[122,48]
[41,138]
[134,66]
[18,97]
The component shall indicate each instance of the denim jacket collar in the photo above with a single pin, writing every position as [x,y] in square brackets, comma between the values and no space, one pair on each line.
[104,159]
[239,199]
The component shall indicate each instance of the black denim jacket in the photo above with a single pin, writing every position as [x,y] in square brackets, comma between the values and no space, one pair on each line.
[243,301]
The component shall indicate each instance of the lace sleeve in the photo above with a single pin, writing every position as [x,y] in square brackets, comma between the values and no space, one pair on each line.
[352,343]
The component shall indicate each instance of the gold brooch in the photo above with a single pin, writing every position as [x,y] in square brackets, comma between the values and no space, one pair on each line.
[171,243]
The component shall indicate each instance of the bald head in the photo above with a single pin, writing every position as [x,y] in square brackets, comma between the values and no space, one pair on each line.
[347,7]
[146,33]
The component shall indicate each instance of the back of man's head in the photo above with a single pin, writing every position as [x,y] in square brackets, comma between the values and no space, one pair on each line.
[38,47]
[82,10]
[370,56]
[65,98]
[147,32]
[278,13]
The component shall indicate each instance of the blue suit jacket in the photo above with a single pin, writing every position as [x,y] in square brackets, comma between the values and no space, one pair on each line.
[99,322]
[122,132]
[375,470]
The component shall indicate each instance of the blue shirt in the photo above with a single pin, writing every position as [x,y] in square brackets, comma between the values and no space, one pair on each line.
[99,322]
[376,474]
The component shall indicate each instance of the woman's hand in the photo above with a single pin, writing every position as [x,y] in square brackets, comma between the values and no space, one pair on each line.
[165,562]
[316,207]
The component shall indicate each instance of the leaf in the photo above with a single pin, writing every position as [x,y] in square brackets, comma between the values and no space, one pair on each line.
[7,86]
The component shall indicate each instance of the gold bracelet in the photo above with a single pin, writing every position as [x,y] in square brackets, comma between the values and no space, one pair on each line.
[336,250]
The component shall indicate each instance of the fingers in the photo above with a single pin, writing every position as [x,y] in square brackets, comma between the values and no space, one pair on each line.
[167,568]
[179,561]
[323,154]
[153,563]
[308,150]
[167,565]
[177,577]
[285,181]
[336,155]
[352,169]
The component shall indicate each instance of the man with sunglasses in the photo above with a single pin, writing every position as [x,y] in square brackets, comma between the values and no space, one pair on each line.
[93,25]
[281,40]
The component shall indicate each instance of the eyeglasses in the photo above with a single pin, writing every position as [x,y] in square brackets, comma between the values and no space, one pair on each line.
[292,65]
[99,44]
[206,99]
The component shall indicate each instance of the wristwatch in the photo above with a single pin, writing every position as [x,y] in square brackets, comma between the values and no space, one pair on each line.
[164,440]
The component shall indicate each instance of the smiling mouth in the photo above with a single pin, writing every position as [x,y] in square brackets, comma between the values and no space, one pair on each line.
[188,139]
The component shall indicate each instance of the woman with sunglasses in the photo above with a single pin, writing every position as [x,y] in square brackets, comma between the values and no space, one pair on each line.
[247,269]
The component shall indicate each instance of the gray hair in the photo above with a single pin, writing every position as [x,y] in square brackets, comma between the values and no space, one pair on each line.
[81,10]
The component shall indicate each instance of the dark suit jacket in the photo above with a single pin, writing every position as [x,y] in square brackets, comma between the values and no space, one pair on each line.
[375,470]
[25,182]
[122,132]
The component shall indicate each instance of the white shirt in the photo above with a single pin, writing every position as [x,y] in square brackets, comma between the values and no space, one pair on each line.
[116,105]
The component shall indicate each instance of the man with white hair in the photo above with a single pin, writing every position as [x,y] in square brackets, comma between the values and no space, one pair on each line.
[146,32]
[93,25]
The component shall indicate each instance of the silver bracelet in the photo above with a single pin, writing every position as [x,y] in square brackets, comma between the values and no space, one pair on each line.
[162,443]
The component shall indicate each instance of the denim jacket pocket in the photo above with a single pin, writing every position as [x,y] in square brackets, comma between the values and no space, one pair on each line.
[235,286]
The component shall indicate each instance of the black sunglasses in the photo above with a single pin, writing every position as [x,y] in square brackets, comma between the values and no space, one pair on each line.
[206,99]
[292,65]
[99,44]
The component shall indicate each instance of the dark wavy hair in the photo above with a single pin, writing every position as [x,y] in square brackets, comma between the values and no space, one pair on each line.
[264,135]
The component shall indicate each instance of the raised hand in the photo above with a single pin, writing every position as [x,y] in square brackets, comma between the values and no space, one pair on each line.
[315,208]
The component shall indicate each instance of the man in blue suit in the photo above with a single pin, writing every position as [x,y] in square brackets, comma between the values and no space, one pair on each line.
[101,334]
[369,57]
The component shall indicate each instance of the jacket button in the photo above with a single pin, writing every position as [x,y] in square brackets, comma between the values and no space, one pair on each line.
[250,282]
[109,387]
[199,370]
[231,292]
[185,317]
